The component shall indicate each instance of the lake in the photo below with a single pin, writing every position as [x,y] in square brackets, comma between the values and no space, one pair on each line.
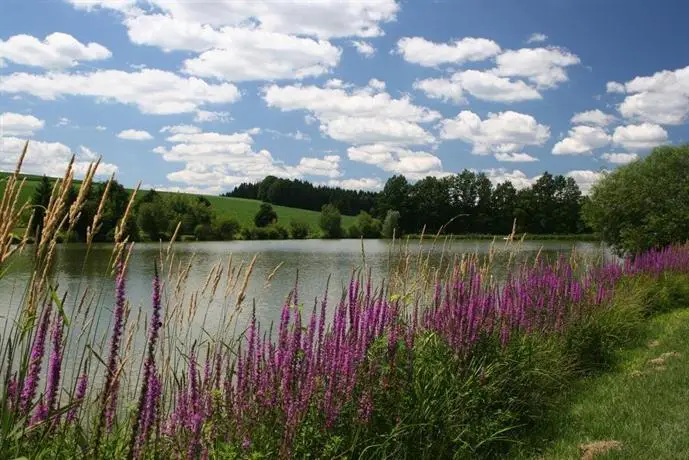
[315,261]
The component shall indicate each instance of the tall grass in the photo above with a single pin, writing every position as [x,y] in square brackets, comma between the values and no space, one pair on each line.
[442,361]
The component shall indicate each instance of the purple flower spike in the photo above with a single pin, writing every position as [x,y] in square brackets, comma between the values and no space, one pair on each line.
[37,352]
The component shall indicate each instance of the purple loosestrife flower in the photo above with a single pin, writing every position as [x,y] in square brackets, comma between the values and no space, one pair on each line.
[37,352]
[111,407]
[109,397]
[149,368]
[41,412]
[149,414]
[79,396]
[55,365]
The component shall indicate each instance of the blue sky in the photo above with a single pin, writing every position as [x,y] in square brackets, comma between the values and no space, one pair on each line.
[200,96]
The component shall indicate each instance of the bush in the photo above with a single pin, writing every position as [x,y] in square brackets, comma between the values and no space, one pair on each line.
[203,232]
[299,229]
[353,231]
[271,232]
[153,219]
[331,222]
[280,232]
[366,226]
[265,216]
[226,229]
[391,224]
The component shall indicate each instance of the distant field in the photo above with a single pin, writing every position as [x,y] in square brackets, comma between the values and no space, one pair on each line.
[239,208]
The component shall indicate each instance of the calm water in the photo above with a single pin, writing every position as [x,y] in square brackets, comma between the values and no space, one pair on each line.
[315,260]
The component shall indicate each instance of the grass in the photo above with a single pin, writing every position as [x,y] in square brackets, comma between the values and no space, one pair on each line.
[244,210]
[238,208]
[642,404]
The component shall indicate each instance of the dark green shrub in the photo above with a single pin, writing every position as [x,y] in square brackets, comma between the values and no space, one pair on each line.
[226,229]
[299,229]
[203,232]
[331,222]
[353,231]
[265,216]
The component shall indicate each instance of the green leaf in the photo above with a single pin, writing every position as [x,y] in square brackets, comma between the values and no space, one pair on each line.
[60,307]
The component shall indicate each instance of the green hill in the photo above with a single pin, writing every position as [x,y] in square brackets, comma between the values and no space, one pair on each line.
[239,208]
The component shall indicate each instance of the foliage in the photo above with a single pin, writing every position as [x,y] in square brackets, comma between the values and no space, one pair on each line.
[226,229]
[304,195]
[158,216]
[391,224]
[113,209]
[270,232]
[153,219]
[265,215]
[203,232]
[644,204]
[331,222]
[365,227]
[299,229]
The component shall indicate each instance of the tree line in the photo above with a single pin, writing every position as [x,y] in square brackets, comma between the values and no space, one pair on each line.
[464,203]
[305,195]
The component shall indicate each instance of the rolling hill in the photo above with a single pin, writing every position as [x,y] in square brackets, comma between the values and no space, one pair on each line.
[239,208]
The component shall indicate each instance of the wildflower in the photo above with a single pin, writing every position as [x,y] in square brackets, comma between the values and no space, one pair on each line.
[37,352]
[55,365]
[79,396]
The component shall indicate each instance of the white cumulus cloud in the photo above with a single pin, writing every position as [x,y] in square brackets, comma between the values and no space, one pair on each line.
[364,48]
[357,116]
[484,85]
[57,51]
[363,183]
[328,166]
[614,87]
[546,67]
[518,157]
[180,129]
[418,50]
[504,132]
[662,98]
[16,124]
[582,140]
[413,164]
[639,137]
[518,178]
[324,19]
[220,161]
[152,91]
[134,135]
[593,117]
[619,158]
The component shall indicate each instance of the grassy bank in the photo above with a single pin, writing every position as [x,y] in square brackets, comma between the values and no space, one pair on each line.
[640,409]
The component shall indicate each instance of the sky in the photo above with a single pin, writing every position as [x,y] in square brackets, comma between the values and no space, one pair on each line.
[200,96]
